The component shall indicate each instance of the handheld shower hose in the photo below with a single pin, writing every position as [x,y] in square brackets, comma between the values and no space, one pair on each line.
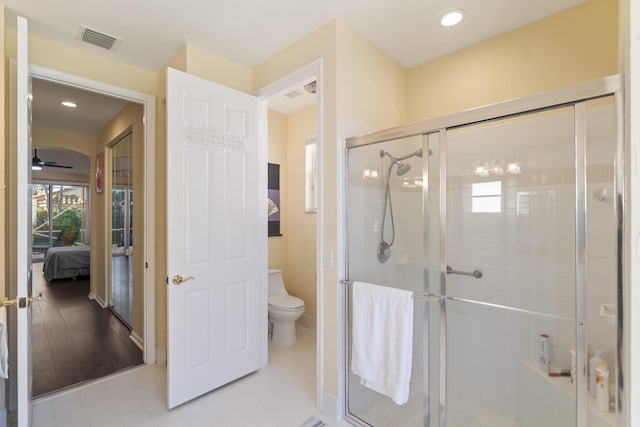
[384,247]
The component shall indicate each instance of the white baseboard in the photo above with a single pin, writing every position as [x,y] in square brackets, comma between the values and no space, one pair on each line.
[307,322]
[137,340]
[97,299]
[330,406]
[161,356]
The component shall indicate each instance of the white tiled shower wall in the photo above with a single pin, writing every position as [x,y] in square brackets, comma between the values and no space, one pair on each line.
[526,251]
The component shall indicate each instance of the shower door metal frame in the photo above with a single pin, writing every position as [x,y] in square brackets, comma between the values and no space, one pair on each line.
[574,96]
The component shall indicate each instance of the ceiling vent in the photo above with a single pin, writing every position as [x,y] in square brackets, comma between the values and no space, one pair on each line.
[98,39]
[293,94]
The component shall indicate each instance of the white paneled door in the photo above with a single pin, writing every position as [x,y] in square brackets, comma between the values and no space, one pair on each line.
[21,190]
[216,236]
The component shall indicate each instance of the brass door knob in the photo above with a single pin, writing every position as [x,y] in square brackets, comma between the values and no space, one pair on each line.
[178,279]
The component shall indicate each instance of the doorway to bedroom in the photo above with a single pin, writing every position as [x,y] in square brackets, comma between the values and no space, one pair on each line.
[88,321]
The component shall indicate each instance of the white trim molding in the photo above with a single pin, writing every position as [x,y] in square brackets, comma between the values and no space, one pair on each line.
[135,338]
[102,303]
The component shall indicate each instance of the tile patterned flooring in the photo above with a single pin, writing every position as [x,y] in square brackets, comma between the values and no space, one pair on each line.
[279,395]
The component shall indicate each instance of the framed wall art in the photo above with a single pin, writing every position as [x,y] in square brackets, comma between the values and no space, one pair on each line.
[100,172]
[273,194]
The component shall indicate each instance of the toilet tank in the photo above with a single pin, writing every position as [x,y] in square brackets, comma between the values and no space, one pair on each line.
[276,283]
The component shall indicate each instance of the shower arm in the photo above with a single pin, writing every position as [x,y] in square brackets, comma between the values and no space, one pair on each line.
[417,153]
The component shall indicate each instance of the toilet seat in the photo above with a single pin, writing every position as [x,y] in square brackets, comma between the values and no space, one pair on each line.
[285,302]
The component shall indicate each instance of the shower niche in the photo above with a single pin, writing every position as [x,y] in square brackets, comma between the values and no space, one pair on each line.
[510,226]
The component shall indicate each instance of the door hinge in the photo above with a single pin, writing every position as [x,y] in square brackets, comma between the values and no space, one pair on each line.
[146,264]
[166,280]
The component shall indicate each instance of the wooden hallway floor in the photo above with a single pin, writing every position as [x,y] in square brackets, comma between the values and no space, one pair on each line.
[73,338]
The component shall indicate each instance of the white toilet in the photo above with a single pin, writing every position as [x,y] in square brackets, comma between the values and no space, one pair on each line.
[284,310]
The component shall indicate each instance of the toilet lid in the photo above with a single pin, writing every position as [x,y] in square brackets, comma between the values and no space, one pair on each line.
[286,302]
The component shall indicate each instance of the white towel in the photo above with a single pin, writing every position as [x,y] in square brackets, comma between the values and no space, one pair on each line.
[4,346]
[382,338]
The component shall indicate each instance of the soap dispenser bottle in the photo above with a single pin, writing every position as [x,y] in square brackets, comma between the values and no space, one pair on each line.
[602,386]
[593,363]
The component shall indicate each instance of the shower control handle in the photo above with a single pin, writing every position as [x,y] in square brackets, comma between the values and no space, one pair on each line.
[178,279]
[475,273]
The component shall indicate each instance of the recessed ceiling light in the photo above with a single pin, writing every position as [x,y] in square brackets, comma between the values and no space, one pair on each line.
[452,18]
[69,104]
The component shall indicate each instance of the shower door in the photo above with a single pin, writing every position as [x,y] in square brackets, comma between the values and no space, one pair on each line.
[508,234]
[509,215]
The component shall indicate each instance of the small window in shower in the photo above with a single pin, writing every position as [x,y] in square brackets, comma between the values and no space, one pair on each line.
[486,197]
[311,175]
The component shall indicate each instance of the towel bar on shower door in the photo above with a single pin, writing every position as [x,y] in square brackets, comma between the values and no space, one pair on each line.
[475,273]
[424,297]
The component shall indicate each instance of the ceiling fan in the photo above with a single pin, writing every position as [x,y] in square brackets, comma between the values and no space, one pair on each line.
[37,164]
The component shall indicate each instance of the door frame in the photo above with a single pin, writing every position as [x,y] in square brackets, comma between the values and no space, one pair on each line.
[149,119]
[270,91]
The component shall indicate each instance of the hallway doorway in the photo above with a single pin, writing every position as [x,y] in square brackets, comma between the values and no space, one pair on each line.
[75,315]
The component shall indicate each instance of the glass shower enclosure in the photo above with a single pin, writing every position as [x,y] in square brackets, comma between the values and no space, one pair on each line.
[505,222]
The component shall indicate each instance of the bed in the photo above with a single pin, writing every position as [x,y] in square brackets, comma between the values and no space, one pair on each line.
[66,262]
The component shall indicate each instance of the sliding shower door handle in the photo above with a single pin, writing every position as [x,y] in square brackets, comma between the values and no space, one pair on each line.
[475,273]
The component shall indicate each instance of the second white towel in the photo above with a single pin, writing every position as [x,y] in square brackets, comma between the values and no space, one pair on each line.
[382,338]
[4,346]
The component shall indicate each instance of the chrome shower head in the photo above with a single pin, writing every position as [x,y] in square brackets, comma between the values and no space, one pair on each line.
[402,168]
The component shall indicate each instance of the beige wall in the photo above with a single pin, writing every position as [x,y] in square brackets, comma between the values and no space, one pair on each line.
[128,119]
[198,62]
[371,87]
[61,57]
[295,251]
[350,66]
[300,227]
[574,46]
[319,44]
[277,124]
[45,137]
[217,69]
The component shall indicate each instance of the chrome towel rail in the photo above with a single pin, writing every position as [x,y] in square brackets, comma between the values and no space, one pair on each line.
[475,273]
[424,297]
[441,299]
